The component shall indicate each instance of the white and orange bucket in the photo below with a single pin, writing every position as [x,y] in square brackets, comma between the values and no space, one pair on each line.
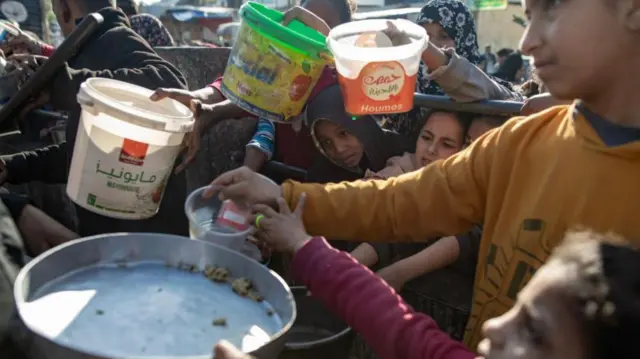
[375,76]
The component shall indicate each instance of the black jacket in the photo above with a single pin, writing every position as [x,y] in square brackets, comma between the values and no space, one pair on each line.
[114,51]
[12,253]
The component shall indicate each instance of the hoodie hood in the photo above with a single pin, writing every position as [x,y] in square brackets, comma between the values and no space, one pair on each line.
[378,144]
[588,125]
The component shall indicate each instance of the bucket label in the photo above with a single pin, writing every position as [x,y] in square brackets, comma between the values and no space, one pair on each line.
[380,88]
[133,152]
[382,81]
[267,78]
[128,180]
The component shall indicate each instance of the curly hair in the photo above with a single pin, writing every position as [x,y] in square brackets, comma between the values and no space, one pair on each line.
[607,290]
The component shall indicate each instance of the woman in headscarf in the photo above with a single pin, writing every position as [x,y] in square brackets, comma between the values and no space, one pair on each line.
[448,64]
[147,26]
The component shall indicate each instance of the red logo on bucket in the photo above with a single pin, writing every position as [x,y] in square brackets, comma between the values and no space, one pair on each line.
[382,81]
[133,152]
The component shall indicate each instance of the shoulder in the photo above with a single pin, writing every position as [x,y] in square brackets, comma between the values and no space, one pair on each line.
[522,128]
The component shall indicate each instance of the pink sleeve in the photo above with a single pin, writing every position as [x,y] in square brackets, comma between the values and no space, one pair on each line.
[216,84]
[372,308]
[47,50]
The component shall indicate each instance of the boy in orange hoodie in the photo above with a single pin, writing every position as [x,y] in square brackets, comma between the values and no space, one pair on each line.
[528,181]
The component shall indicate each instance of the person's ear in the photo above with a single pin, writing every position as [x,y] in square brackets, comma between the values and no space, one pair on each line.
[629,12]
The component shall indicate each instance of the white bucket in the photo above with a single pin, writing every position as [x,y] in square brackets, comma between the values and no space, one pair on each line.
[125,148]
[377,80]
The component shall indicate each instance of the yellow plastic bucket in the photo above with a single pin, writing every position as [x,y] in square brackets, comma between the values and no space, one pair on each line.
[272,68]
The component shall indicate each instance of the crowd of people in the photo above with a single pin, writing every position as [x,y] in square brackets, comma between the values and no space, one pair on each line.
[534,212]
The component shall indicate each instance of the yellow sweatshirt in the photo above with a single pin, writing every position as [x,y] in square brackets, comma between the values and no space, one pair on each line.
[528,182]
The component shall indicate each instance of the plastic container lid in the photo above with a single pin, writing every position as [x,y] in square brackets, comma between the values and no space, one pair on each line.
[297,35]
[131,103]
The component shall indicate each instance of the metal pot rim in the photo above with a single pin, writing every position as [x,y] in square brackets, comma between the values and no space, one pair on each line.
[20,299]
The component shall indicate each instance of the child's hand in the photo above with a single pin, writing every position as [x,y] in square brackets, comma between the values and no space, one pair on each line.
[306,17]
[283,230]
[397,36]
[393,277]
[226,350]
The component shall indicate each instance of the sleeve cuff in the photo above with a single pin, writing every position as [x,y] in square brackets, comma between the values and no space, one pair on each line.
[47,50]
[451,76]
[216,84]
[256,145]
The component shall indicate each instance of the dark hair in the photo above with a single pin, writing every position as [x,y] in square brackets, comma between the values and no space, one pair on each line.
[464,119]
[95,5]
[129,7]
[510,67]
[607,292]
[533,86]
[504,52]
[491,120]
[345,9]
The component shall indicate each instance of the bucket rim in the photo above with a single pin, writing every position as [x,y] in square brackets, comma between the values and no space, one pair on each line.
[190,216]
[254,14]
[92,94]
[376,54]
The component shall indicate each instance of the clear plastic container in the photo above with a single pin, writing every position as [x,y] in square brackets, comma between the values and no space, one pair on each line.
[377,80]
[204,215]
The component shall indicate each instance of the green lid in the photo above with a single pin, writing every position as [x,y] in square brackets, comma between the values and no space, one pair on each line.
[296,34]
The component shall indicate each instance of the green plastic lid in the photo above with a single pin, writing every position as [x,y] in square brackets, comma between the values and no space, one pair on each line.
[296,34]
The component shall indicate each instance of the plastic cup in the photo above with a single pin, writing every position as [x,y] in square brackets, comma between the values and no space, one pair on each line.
[202,214]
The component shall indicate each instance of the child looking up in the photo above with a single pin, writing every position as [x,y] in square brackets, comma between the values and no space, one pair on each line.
[350,146]
[442,135]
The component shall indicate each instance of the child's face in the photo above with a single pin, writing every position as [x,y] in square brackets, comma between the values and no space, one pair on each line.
[578,46]
[338,144]
[441,137]
[439,37]
[478,128]
[323,10]
[544,322]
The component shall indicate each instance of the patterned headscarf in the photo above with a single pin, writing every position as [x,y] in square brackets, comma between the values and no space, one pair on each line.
[458,22]
[151,29]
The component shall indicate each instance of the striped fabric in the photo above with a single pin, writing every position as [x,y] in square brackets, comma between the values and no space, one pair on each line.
[264,138]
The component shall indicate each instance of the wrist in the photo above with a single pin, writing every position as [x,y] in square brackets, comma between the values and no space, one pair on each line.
[434,57]
[208,117]
[300,243]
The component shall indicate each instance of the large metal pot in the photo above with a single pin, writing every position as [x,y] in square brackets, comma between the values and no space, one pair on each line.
[316,334]
[152,289]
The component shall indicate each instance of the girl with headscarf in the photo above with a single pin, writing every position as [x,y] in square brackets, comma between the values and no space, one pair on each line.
[449,64]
